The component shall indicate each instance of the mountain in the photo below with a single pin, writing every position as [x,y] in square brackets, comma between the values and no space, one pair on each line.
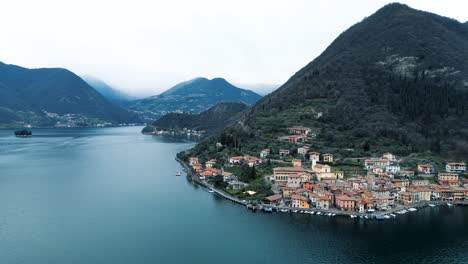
[53,96]
[211,120]
[193,96]
[397,81]
[115,96]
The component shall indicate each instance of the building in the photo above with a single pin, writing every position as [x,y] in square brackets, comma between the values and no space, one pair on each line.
[406,173]
[297,163]
[458,167]
[252,161]
[193,160]
[294,181]
[448,178]
[264,153]
[304,131]
[303,150]
[425,168]
[298,201]
[324,202]
[314,156]
[372,163]
[389,156]
[273,199]
[236,159]
[345,203]
[327,157]
[392,168]
[210,163]
[283,152]
[281,174]
[324,172]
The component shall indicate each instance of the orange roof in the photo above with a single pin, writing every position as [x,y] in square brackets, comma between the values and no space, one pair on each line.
[456,163]
[298,197]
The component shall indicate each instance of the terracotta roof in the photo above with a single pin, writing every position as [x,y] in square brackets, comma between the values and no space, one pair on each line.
[298,197]
[274,197]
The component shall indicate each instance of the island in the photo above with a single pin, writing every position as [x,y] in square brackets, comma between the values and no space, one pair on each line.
[23,133]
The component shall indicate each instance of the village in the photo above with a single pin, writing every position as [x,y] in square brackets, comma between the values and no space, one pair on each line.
[309,181]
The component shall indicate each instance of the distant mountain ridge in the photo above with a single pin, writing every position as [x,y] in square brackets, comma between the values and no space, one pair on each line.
[193,96]
[53,96]
[118,97]
[211,120]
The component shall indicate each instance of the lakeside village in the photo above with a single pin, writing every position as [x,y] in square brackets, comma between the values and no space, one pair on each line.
[309,181]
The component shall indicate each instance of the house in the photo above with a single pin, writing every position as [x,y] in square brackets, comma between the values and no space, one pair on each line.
[294,139]
[252,161]
[420,182]
[298,201]
[425,168]
[193,160]
[314,156]
[227,176]
[264,153]
[303,150]
[389,156]
[237,185]
[392,168]
[324,202]
[297,163]
[345,203]
[324,172]
[273,199]
[284,152]
[405,197]
[197,167]
[236,159]
[304,131]
[307,185]
[294,181]
[406,173]
[371,163]
[458,167]
[210,163]
[205,174]
[327,157]
[281,174]
[447,178]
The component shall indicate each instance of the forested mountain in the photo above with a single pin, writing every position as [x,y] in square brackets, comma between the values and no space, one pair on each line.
[115,96]
[53,96]
[211,120]
[397,81]
[193,96]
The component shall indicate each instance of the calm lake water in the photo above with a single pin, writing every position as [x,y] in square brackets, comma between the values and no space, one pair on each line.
[110,195]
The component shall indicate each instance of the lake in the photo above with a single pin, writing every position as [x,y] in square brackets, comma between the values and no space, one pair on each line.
[110,195]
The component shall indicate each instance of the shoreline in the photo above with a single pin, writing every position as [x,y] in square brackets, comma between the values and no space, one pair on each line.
[297,210]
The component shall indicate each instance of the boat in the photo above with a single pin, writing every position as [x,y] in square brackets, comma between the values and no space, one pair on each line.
[294,211]
[393,215]
[177,174]
[333,214]
[312,212]
[319,213]
[386,216]
[432,205]
[210,191]
[366,217]
[379,217]
[412,209]
[268,209]
[449,204]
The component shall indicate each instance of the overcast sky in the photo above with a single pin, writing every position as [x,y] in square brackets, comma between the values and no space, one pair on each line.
[144,47]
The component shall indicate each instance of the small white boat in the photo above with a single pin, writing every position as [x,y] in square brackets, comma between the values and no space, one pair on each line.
[352,216]
[294,211]
[432,205]
[366,217]
[312,212]
[319,213]
[412,209]
[211,191]
[386,216]
[449,204]
[393,215]
[333,214]
[178,174]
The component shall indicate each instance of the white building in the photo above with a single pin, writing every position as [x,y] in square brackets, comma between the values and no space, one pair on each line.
[458,167]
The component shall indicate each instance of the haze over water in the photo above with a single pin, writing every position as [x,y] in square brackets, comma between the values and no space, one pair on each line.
[110,195]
